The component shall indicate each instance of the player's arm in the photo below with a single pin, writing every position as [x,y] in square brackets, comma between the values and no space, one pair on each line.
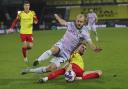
[93,46]
[68,67]
[35,18]
[87,38]
[14,22]
[60,20]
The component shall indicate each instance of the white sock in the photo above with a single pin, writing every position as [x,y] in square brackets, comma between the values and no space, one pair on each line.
[45,55]
[38,70]
[45,79]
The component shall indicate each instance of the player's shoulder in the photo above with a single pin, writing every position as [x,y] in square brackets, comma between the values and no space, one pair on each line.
[69,23]
[94,13]
[85,28]
[89,13]
[75,54]
[32,11]
[20,12]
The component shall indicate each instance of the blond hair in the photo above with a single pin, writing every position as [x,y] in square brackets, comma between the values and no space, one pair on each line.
[79,16]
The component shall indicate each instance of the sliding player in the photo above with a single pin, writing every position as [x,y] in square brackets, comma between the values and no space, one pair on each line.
[77,65]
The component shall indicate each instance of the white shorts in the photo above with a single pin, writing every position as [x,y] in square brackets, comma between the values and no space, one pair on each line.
[62,57]
[58,61]
[92,27]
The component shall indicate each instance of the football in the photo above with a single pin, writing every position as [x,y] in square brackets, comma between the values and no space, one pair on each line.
[70,76]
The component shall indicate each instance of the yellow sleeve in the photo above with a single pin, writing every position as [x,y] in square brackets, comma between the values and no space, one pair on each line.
[34,14]
[19,15]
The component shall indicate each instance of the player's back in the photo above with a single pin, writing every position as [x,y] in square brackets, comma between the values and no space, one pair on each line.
[26,22]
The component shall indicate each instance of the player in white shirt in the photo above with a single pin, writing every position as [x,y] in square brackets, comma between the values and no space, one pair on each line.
[92,19]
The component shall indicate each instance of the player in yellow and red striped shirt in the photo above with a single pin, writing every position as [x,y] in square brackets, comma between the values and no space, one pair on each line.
[26,18]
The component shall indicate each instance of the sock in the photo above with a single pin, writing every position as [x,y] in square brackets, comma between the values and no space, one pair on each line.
[24,52]
[38,70]
[45,79]
[45,55]
[90,76]
[56,73]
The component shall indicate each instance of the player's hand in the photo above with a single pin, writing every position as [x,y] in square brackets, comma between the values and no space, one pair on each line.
[55,15]
[35,22]
[9,31]
[98,50]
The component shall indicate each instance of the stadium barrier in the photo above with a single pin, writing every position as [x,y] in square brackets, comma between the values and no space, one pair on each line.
[103,12]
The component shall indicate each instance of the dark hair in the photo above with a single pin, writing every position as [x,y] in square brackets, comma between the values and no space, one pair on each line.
[80,43]
[26,2]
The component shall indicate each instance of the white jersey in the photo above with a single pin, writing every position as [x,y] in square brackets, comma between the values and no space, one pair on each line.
[91,17]
[72,37]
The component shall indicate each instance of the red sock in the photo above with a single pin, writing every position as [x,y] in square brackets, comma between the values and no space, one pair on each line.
[24,51]
[56,73]
[90,76]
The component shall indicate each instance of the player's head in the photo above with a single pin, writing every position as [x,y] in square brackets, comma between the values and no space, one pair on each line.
[26,5]
[81,48]
[80,21]
[90,10]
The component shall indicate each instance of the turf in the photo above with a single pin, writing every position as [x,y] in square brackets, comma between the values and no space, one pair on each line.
[113,61]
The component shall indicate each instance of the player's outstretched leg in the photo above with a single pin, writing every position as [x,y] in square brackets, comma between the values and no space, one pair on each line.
[25,71]
[44,69]
[43,57]
[34,70]
[92,74]
[53,51]
[52,75]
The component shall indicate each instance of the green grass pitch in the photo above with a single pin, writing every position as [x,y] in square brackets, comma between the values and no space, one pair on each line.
[113,60]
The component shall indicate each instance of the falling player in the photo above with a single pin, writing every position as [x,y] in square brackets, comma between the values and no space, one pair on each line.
[26,18]
[62,50]
[92,19]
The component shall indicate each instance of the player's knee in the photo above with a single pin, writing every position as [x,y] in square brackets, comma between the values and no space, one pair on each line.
[30,44]
[99,72]
[55,50]
[51,67]
[24,45]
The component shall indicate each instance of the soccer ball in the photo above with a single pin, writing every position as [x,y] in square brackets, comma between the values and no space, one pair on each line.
[70,76]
